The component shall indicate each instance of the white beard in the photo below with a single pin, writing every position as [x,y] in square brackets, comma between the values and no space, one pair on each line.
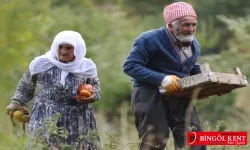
[185,38]
[181,37]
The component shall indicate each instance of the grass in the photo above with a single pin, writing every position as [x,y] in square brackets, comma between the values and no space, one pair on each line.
[119,134]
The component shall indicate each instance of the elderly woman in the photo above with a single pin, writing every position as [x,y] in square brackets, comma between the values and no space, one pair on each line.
[59,73]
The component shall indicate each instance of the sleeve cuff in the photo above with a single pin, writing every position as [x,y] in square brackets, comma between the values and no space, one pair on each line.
[16,102]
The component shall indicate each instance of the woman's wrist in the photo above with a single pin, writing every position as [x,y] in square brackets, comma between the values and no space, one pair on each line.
[16,102]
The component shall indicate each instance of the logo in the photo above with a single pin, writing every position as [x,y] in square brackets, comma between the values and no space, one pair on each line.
[217,138]
[192,138]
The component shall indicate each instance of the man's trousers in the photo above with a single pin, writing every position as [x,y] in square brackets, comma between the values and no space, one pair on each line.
[156,115]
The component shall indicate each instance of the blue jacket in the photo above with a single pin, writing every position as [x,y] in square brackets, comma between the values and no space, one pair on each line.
[153,56]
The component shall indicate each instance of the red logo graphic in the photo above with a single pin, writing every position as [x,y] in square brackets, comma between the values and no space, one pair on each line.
[217,138]
[192,136]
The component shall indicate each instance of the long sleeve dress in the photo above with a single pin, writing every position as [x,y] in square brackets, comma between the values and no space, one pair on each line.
[52,97]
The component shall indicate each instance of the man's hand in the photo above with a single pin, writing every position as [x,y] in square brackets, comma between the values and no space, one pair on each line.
[170,84]
[85,100]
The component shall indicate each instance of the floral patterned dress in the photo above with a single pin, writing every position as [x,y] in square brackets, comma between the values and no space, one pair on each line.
[78,119]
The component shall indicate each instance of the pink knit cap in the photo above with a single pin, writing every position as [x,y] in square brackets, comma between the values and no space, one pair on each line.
[177,10]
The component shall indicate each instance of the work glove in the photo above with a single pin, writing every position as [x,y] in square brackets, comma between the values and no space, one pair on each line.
[170,84]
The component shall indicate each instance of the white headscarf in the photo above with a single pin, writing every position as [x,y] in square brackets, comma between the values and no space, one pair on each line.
[80,66]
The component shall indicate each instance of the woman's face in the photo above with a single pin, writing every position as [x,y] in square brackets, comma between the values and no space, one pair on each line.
[66,53]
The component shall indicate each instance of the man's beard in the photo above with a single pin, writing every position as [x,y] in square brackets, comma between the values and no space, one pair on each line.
[185,38]
[182,37]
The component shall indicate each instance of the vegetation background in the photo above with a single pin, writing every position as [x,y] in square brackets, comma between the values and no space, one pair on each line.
[109,28]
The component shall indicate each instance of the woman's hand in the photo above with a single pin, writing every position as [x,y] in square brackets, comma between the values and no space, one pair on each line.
[85,100]
[12,107]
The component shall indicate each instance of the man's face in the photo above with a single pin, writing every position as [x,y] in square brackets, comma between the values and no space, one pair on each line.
[66,53]
[184,29]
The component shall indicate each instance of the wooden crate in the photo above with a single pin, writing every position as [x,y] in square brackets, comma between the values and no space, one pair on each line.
[209,83]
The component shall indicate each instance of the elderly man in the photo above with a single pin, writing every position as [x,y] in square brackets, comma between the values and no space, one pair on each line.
[158,58]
